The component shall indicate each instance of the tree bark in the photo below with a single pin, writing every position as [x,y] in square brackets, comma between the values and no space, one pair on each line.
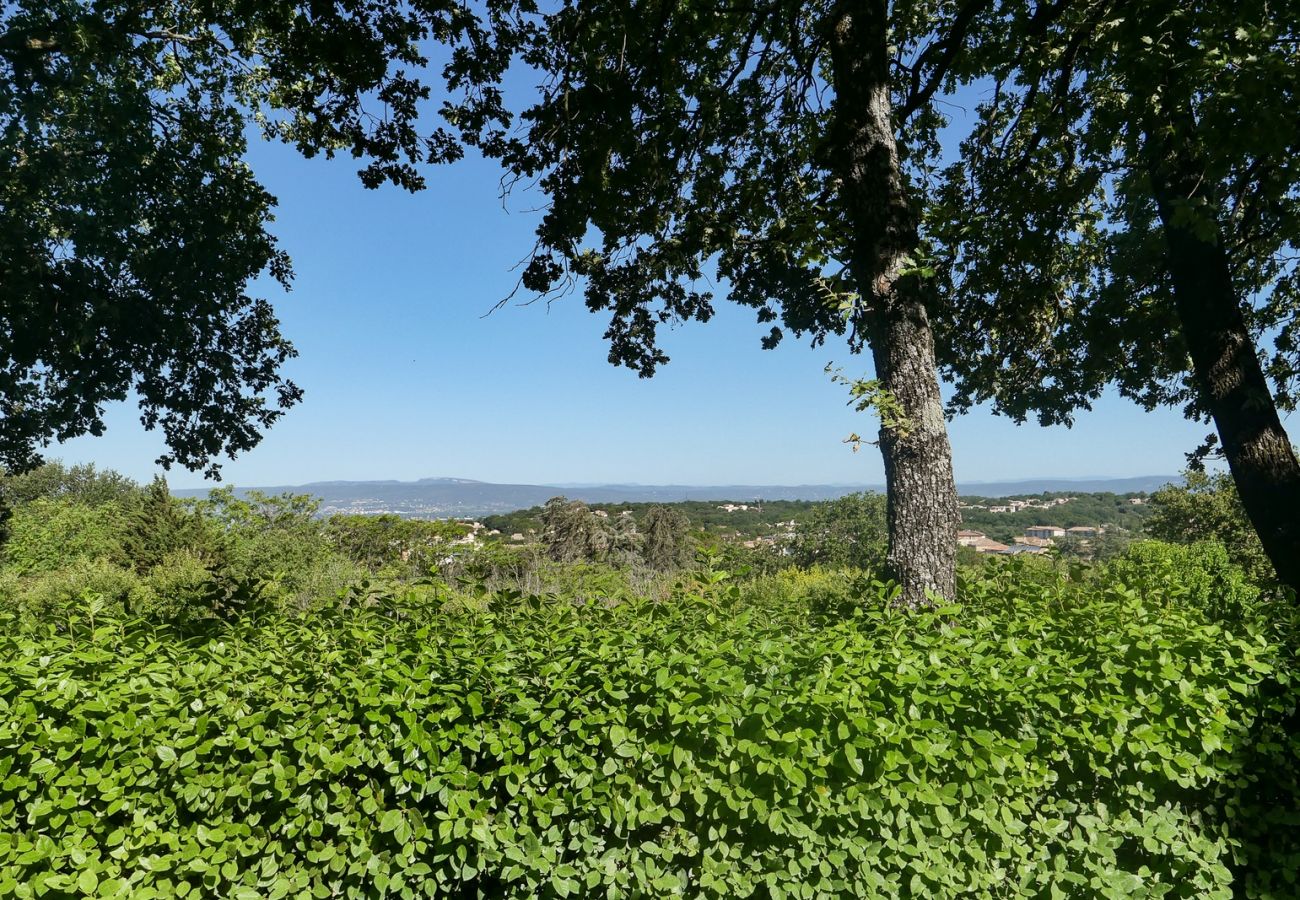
[1225,366]
[873,195]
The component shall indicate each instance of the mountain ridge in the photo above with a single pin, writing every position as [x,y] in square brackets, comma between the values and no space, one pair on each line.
[442,497]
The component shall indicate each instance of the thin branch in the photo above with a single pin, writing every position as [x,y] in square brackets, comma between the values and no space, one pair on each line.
[952,44]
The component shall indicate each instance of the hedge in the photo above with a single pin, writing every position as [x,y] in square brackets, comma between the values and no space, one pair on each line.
[1039,741]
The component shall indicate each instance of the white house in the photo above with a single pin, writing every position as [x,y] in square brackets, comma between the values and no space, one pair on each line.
[1045,531]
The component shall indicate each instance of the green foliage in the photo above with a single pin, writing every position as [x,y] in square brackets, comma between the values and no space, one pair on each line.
[81,483]
[158,526]
[868,394]
[1047,229]
[759,518]
[53,595]
[1207,507]
[572,532]
[131,225]
[1044,739]
[48,534]
[848,532]
[1198,576]
[276,539]
[227,698]
[665,543]
[1108,545]
[392,543]
[155,556]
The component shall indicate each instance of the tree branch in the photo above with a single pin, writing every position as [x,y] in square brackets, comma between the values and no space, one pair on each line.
[949,47]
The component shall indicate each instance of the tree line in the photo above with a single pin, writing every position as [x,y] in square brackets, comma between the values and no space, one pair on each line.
[1123,213]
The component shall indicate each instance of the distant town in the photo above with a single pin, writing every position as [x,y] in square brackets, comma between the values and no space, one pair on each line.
[1073,523]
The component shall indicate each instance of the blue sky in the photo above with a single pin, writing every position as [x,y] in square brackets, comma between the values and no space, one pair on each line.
[406,377]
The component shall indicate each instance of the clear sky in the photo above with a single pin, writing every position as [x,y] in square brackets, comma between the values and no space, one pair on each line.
[406,376]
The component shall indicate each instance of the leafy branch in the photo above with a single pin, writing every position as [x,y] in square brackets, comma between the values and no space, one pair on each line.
[868,394]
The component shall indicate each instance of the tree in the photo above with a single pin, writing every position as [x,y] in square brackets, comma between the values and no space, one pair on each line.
[849,531]
[775,145]
[130,226]
[390,540]
[158,525]
[571,532]
[758,141]
[1127,212]
[1207,507]
[665,542]
[266,537]
[83,483]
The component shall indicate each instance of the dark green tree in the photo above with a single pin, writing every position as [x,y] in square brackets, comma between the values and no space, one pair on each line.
[571,532]
[625,541]
[130,226]
[665,538]
[1127,213]
[157,524]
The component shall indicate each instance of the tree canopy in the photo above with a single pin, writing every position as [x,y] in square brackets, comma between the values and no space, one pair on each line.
[848,532]
[1050,226]
[1127,213]
[1207,507]
[131,228]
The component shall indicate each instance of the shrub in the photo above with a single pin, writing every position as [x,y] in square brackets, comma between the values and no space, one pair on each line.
[1200,576]
[46,534]
[391,543]
[1207,506]
[53,596]
[277,539]
[1044,740]
[180,587]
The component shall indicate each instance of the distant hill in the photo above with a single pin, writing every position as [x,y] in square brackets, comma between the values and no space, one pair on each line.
[463,497]
[1143,484]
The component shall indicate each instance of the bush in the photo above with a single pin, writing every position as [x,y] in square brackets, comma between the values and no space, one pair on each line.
[391,543]
[276,539]
[1044,740]
[54,596]
[46,535]
[1199,576]
[850,531]
[1207,506]
[181,587]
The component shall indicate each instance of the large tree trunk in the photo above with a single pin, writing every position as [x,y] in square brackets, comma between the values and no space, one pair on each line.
[1227,372]
[922,499]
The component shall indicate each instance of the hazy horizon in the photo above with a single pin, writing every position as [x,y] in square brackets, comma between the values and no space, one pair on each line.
[444,479]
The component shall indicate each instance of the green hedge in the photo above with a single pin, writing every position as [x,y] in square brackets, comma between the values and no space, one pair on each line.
[1038,742]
